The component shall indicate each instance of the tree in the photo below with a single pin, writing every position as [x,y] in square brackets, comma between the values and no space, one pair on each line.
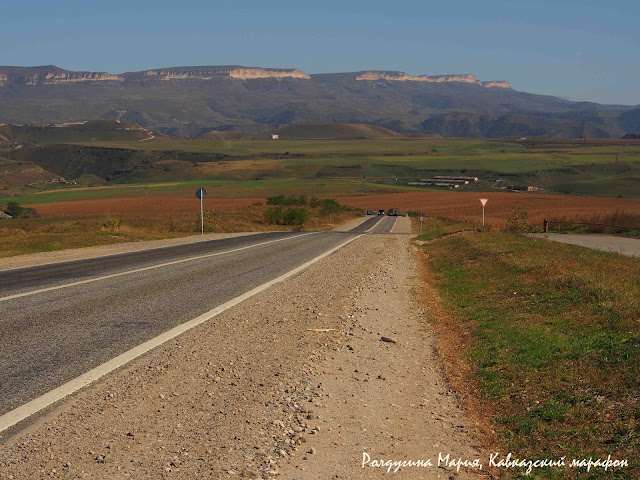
[14,209]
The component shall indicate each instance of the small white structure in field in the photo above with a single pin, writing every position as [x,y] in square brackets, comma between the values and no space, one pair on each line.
[274,136]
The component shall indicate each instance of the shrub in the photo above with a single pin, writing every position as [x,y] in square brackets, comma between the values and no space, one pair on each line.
[517,221]
[17,211]
[210,219]
[288,200]
[14,209]
[273,215]
[112,224]
[295,216]
[289,216]
[330,205]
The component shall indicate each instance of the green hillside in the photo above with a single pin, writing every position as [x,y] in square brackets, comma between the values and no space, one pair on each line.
[334,131]
[86,131]
[607,167]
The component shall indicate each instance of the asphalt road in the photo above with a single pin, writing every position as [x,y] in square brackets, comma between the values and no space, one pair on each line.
[607,243]
[385,225]
[59,321]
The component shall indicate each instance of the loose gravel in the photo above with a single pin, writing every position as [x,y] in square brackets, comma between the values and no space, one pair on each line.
[295,382]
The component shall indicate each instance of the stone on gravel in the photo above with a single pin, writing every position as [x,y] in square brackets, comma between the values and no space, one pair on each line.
[388,339]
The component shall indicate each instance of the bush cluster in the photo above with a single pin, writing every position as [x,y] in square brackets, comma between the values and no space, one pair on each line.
[297,216]
[518,221]
[17,211]
[14,209]
[210,219]
[112,224]
[325,205]
[288,200]
[287,216]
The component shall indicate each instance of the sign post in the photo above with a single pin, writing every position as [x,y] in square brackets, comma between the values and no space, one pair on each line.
[421,220]
[330,214]
[201,193]
[316,222]
[483,201]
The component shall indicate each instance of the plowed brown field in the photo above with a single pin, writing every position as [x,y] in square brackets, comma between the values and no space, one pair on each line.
[456,205]
[114,206]
[466,205]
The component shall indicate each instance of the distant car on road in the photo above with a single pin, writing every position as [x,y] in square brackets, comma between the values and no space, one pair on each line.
[393,212]
[369,212]
[380,212]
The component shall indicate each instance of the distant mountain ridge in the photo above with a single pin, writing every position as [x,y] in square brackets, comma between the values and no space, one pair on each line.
[191,101]
[52,75]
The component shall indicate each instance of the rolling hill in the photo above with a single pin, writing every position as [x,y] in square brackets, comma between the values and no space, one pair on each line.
[192,101]
[75,132]
[334,131]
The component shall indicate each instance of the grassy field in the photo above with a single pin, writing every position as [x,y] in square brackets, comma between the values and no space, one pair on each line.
[595,168]
[549,337]
[216,189]
[133,179]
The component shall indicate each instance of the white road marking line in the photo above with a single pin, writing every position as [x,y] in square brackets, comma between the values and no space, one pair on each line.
[115,254]
[394,225]
[23,412]
[374,225]
[113,275]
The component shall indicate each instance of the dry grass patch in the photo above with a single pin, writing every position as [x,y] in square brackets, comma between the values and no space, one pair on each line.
[119,224]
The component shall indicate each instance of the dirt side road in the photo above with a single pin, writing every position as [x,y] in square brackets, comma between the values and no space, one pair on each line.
[295,382]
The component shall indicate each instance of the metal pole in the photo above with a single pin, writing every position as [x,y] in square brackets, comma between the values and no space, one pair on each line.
[420,225]
[483,215]
[316,222]
[330,213]
[201,216]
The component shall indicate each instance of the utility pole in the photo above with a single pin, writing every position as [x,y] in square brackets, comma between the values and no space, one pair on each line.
[364,184]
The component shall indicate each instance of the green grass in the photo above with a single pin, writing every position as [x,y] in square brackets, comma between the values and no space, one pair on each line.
[215,189]
[556,345]
[433,227]
[257,167]
[567,168]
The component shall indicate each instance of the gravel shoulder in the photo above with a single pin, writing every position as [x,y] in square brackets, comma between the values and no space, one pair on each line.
[606,243]
[295,382]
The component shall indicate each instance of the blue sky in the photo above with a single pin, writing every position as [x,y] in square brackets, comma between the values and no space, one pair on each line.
[580,50]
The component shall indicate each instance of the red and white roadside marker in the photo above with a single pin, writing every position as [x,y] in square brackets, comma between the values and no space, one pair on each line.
[483,201]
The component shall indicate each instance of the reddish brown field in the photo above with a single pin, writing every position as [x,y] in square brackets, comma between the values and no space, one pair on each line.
[466,205]
[137,205]
[455,205]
